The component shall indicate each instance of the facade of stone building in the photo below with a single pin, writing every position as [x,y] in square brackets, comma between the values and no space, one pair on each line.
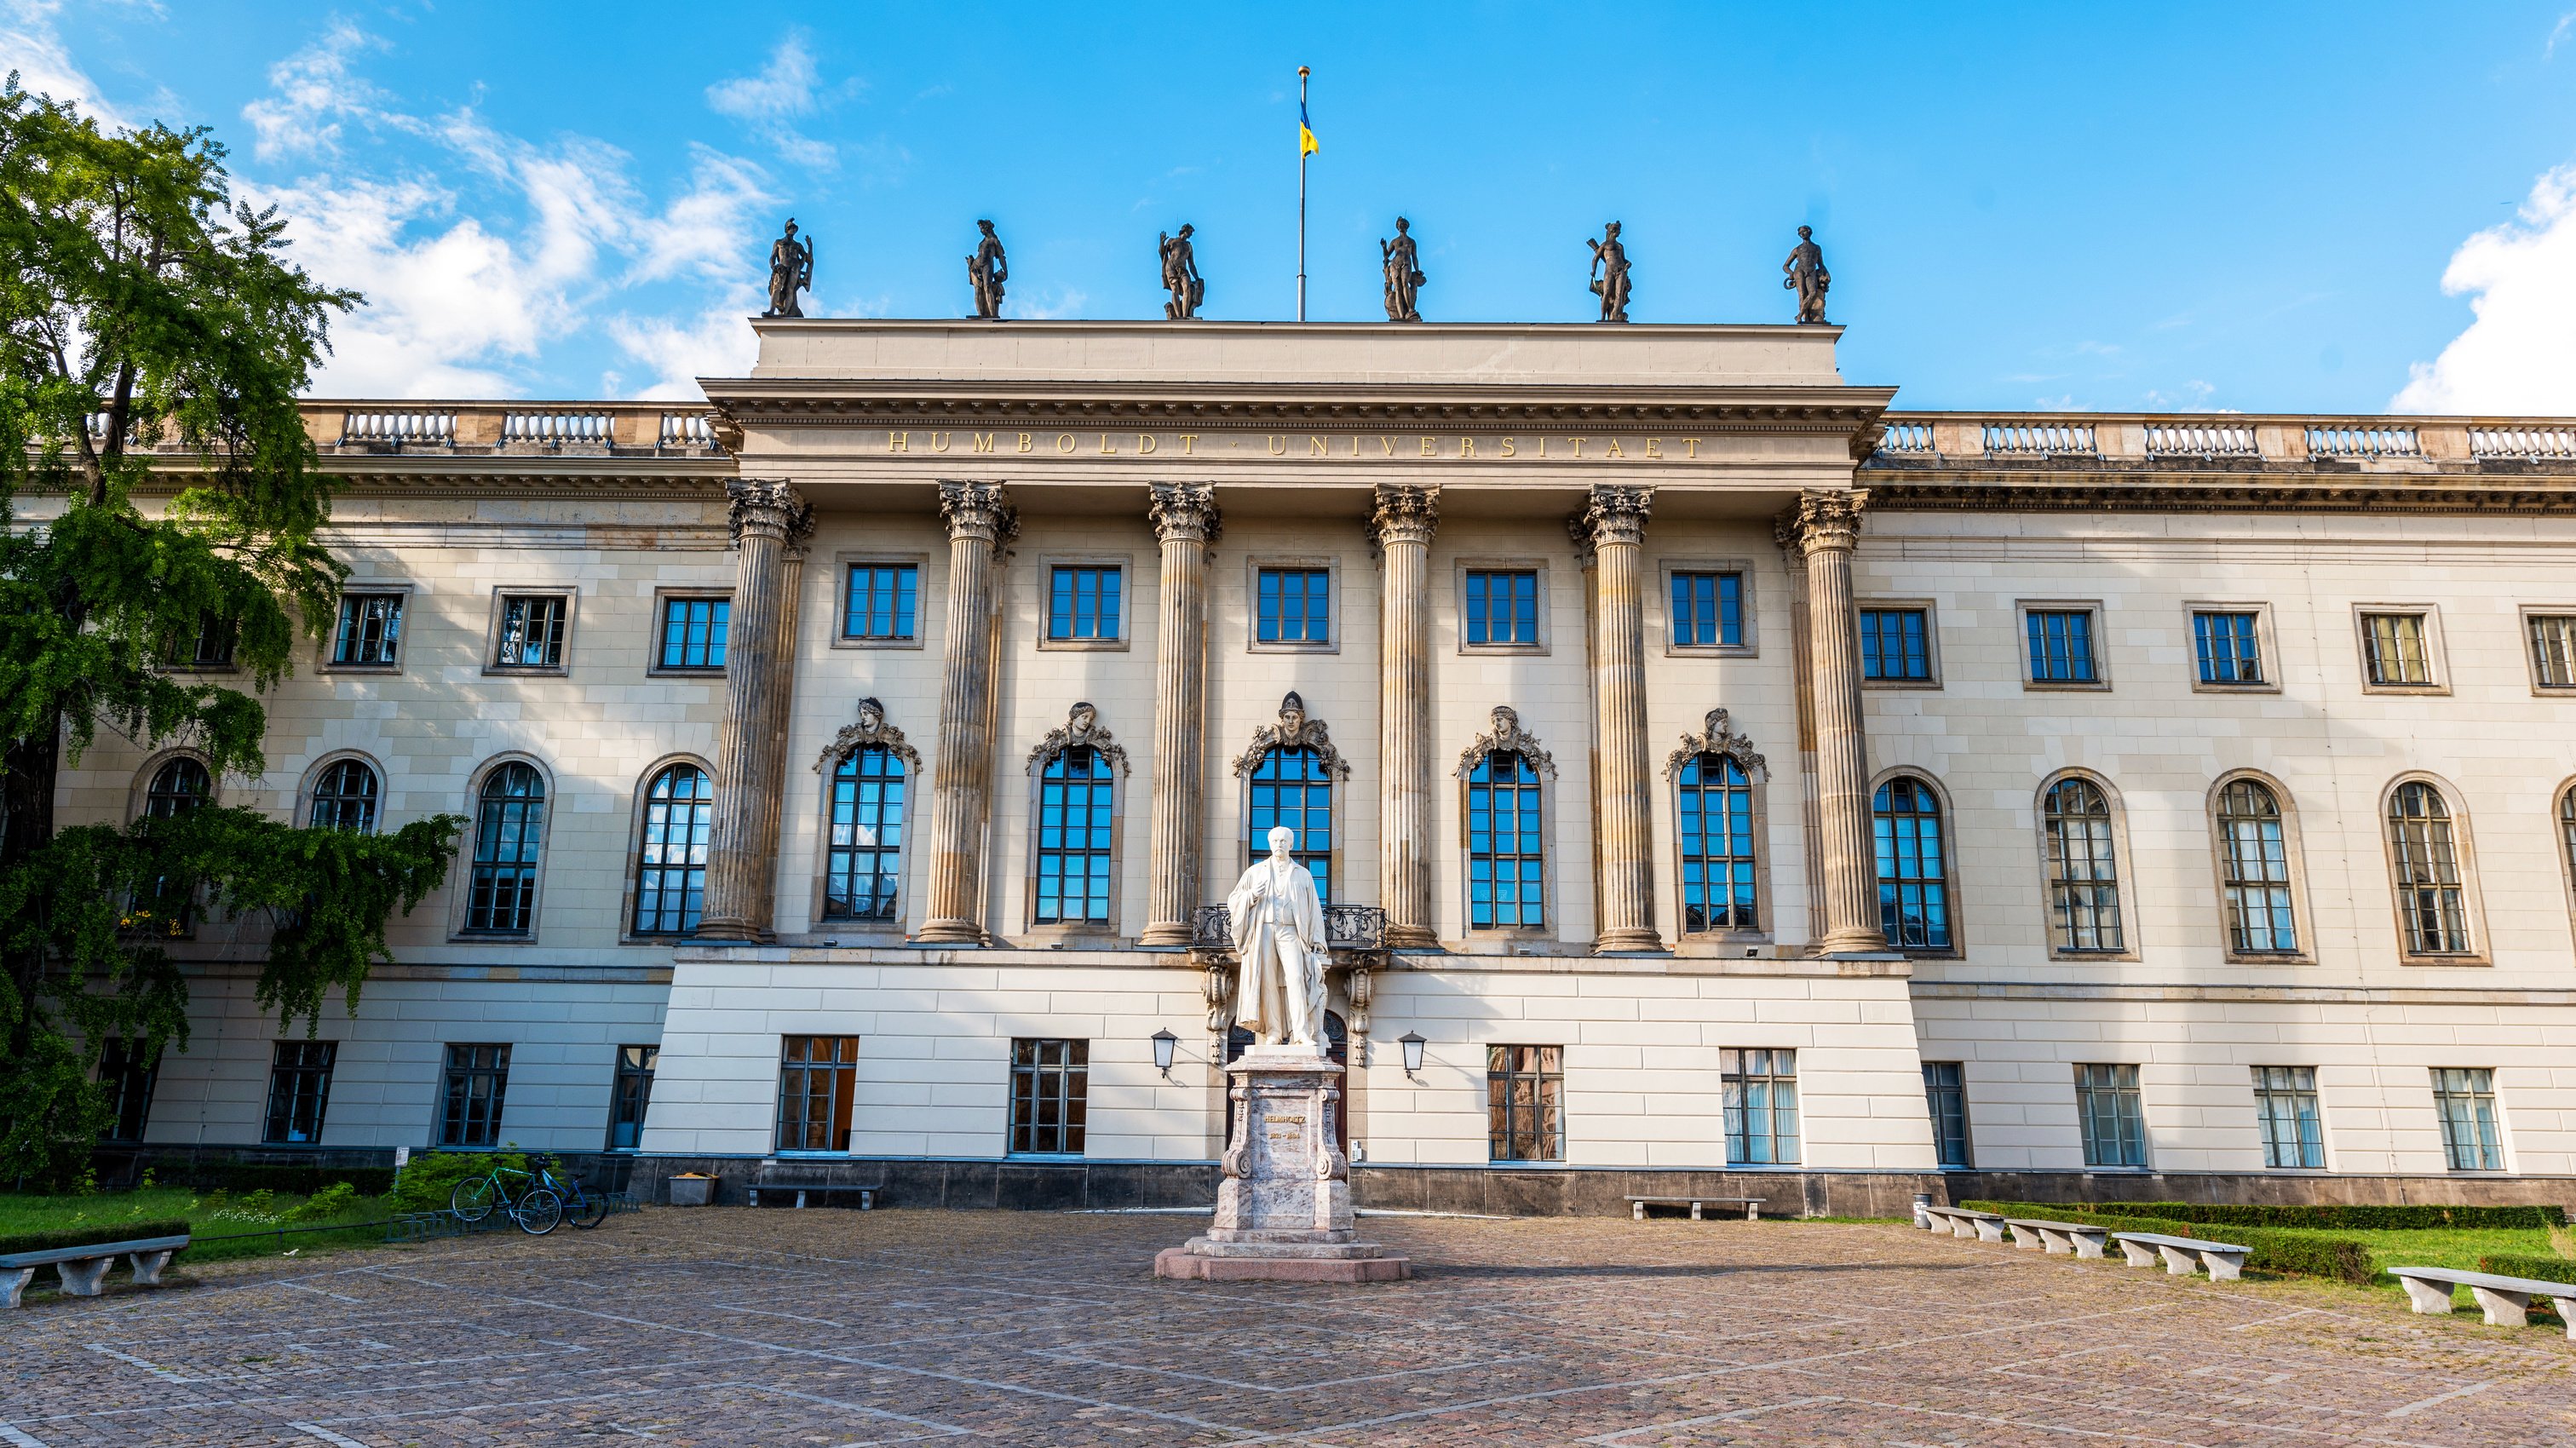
[1715,775]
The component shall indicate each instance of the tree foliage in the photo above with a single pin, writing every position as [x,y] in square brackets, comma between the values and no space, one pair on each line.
[153,340]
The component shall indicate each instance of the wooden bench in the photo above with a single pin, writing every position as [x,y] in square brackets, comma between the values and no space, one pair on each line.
[2057,1238]
[1983,1226]
[1752,1205]
[2183,1255]
[2506,1300]
[83,1269]
[825,1193]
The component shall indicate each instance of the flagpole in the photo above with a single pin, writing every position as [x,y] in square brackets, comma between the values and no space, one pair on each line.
[1302,73]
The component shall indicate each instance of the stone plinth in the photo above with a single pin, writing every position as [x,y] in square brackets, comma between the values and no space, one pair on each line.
[1283,1211]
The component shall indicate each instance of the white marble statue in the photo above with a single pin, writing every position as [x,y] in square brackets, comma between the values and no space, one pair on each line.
[1279,936]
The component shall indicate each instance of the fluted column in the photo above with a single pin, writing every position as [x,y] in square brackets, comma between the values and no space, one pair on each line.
[770,525]
[1613,527]
[1824,527]
[1402,524]
[1186,522]
[980,525]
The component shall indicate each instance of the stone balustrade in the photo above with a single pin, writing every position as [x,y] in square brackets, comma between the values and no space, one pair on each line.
[2169,440]
[558,429]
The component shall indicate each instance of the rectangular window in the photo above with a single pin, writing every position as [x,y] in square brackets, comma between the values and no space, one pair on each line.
[1083,602]
[2465,1100]
[1761,1107]
[299,1088]
[2061,645]
[1945,1095]
[1050,1096]
[2553,649]
[1525,1102]
[1506,845]
[477,1079]
[2107,1107]
[1896,645]
[629,1094]
[1708,610]
[693,632]
[1294,606]
[129,1074]
[2285,1111]
[532,631]
[2393,645]
[211,647]
[884,600]
[1502,606]
[2228,647]
[370,635]
[818,1080]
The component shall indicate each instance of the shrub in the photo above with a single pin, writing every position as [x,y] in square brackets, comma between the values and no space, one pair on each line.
[430,1180]
[2543,1269]
[2267,1250]
[286,1178]
[2335,1214]
[84,1236]
[332,1200]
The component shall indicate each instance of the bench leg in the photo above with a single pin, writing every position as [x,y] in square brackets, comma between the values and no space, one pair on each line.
[14,1282]
[1753,1211]
[2138,1253]
[2567,1314]
[1695,1212]
[148,1265]
[2223,1266]
[2178,1262]
[2504,1309]
[2028,1240]
[1962,1228]
[2085,1246]
[1636,1211]
[800,1199]
[867,1201]
[2430,1299]
[81,1278]
[2055,1244]
[1990,1231]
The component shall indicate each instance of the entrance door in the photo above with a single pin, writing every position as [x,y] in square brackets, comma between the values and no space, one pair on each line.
[1337,1049]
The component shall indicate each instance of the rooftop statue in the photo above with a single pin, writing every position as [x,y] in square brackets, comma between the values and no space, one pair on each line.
[988,268]
[791,268]
[1181,277]
[1610,274]
[1807,276]
[1404,278]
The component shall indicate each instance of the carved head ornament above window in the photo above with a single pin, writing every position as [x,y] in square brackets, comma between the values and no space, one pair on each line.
[1717,737]
[870,728]
[1081,727]
[1293,731]
[1507,737]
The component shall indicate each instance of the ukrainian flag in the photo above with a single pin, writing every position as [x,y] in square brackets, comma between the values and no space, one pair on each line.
[1306,145]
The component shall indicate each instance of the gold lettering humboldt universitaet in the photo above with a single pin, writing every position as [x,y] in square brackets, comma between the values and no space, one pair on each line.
[1364,447]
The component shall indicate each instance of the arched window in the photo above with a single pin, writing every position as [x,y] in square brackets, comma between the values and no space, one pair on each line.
[1506,845]
[1294,787]
[509,833]
[863,861]
[2567,831]
[1074,815]
[2254,871]
[177,787]
[344,798]
[1716,812]
[1913,865]
[2083,868]
[671,859]
[2431,904]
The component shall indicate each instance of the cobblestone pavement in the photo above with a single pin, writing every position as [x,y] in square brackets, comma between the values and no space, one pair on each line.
[832,1327]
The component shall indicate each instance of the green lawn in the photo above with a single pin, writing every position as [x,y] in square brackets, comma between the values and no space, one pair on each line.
[209,1215]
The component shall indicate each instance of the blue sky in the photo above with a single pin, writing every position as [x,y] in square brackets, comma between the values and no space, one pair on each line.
[2256,207]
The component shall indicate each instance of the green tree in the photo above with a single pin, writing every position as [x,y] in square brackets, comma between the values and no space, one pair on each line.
[157,488]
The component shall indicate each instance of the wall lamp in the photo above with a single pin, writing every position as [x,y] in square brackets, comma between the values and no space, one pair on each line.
[1412,1043]
[1164,1043]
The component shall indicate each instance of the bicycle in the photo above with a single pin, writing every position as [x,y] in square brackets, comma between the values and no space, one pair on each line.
[536,1207]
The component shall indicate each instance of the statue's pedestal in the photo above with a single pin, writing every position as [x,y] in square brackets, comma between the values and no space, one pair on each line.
[1283,1212]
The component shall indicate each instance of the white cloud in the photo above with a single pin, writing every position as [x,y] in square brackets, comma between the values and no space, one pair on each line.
[719,343]
[2518,355]
[31,46]
[312,90]
[787,90]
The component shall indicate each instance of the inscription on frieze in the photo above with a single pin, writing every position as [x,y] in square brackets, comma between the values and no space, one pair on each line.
[1385,447]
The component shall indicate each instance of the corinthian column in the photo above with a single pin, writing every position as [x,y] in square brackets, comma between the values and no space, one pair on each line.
[980,525]
[1613,526]
[1186,522]
[1402,524]
[770,526]
[1824,527]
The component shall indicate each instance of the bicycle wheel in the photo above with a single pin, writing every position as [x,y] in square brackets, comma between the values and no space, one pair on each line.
[474,1198]
[589,1208]
[539,1212]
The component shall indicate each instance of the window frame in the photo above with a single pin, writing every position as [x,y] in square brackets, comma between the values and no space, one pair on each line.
[308,791]
[843,1072]
[1114,761]
[2097,638]
[2303,919]
[1746,592]
[229,664]
[891,926]
[1071,1130]
[1736,1081]
[2266,1095]
[1931,640]
[843,562]
[405,629]
[447,1072]
[1721,940]
[1337,619]
[2525,616]
[619,1076]
[1551,900]
[655,631]
[1329,776]
[1957,949]
[1537,567]
[1547,1133]
[2437,671]
[2264,642]
[269,1117]
[640,814]
[2464,861]
[1967,1129]
[129,1079]
[2122,865]
[2494,1100]
[502,594]
[1131,596]
[139,793]
[458,931]
[2135,1092]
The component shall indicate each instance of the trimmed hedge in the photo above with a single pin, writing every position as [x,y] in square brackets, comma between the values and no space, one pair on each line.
[2356,1218]
[2543,1269]
[88,1236]
[287,1179]
[2341,1258]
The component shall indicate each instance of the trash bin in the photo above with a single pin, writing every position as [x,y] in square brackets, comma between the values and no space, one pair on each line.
[690,1189]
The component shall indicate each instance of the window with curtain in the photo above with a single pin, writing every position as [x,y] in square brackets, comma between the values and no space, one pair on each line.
[344,798]
[2465,1101]
[2285,1112]
[2553,649]
[2393,648]
[1506,846]
[370,632]
[2254,871]
[2114,1122]
[671,857]
[1294,787]
[2431,904]
[1715,810]
[1913,865]
[2083,868]
[509,832]
[1073,856]
[863,858]
[1761,1107]
[532,631]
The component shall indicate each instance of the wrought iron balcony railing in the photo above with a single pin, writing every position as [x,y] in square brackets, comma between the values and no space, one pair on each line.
[1346,927]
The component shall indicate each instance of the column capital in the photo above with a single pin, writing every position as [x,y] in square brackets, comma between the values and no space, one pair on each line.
[1612,515]
[1184,513]
[977,510]
[1821,520]
[769,507]
[1403,513]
